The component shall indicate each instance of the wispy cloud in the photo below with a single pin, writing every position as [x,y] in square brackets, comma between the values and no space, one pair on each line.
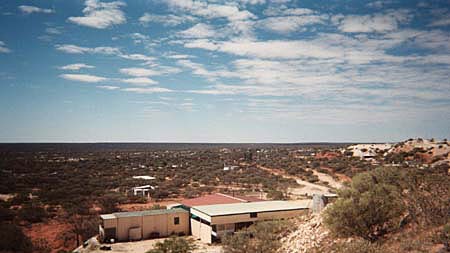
[28,9]
[147,90]
[3,48]
[167,20]
[211,10]
[100,15]
[140,81]
[108,87]
[372,23]
[76,66]
[83,78]
[199,31]
[139,72]
[74,49]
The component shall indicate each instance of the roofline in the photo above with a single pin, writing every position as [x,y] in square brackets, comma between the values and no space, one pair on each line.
[270,211]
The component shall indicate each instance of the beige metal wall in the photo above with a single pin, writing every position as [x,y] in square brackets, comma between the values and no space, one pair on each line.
[124,224]
[182,227]
[110,223]
[154,223]
[201,231]
[261,216]
[161,223]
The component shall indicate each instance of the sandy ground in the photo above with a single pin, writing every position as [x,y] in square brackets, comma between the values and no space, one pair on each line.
[327,178]
[144,246]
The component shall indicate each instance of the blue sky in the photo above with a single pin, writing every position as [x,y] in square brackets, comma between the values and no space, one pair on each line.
[224,71]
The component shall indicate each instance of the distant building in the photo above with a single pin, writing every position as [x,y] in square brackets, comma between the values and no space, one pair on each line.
[144,190]
[144,177]
[227,168]
[132,226]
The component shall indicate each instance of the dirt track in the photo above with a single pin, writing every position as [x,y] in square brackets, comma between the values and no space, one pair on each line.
[306,188]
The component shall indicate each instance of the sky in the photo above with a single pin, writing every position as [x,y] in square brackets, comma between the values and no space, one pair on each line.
[224,71]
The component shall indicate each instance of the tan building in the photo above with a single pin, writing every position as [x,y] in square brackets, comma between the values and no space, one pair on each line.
[131,226]
[210,222]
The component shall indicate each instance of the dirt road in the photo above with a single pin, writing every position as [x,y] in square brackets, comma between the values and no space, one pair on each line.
[306,188]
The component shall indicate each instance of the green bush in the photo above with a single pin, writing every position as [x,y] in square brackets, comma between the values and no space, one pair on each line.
[32,212]
[369,208]
[276,195]
[360,246]
[174,245]
[12,239]
[263,237]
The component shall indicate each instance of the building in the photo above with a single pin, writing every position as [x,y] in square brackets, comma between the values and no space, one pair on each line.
[210,222]
[142,190]
[131,226]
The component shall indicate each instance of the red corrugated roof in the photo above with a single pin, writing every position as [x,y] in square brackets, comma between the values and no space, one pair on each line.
[215,199]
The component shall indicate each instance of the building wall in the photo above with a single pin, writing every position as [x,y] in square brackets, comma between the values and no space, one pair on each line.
[182,227]
[261,216]
[110,223]
[195,228]
[163,224]
[124,224]
[154,224]
[201,231]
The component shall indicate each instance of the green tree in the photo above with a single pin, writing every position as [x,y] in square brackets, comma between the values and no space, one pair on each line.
[369,208]
[174,245]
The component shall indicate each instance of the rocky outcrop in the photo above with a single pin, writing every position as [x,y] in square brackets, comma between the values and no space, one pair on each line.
[308,234]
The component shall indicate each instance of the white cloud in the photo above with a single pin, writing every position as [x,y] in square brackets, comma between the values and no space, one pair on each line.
[291,23]
[167,20]
[76,66]
[378,23]
[252,2]
[269,49]
[108,87]
[196,68]
[284,11]
[179,56]
[83,78]
[441,22]
[3,48]
[140,81]
[100,15]
[199,31]
[27,9]
[52,30]
[147,90]
[74,49]
[137,57]
[139,72]
[211,10]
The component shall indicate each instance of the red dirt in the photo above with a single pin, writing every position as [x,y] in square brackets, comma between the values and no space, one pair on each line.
[52,232]
[327,155]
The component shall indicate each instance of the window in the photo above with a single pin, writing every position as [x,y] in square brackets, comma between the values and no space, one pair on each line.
[176,220]
[253,215]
